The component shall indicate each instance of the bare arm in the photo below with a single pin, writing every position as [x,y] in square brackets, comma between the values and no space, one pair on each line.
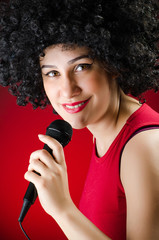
[76,226]
[53,192]
[140,178]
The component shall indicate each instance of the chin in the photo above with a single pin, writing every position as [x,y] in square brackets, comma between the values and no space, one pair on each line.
[76,121]
[76,124]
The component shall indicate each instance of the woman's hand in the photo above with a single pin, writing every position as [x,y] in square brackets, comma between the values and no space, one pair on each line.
[52,183]
[53,191]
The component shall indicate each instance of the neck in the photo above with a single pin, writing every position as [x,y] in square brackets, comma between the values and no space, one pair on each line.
[110,124]
[104,129]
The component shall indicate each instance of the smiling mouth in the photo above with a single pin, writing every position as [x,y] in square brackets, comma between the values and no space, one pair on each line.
[76,107]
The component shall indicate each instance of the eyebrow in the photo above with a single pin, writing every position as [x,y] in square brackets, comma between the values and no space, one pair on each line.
[69,62]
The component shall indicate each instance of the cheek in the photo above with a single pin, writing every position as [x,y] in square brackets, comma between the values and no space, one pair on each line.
[50,92]
[98,84]
[46,88]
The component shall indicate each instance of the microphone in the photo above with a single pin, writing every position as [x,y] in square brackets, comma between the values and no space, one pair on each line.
[62,132]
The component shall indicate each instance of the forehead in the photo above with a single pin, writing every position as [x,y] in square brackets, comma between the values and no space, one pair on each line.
[57,52]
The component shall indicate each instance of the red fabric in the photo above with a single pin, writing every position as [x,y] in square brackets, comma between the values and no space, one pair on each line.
[103,200]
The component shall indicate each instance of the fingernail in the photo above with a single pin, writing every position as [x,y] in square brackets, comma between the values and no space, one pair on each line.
[41,136]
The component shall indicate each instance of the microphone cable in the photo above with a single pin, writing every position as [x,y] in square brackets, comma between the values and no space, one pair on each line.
[23,231]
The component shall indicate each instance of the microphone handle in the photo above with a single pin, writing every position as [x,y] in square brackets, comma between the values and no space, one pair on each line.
[31,194]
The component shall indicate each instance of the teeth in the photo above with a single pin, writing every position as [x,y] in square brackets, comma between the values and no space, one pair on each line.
[76,106]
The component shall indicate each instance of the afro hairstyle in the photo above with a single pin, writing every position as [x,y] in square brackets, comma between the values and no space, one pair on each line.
[121,33]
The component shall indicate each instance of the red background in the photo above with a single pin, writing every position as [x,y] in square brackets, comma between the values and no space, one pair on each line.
[19,129]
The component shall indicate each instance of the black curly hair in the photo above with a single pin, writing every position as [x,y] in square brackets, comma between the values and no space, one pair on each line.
[121,33]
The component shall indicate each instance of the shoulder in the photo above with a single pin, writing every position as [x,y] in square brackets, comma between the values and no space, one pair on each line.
[140,178]
[143,148]
[141,156]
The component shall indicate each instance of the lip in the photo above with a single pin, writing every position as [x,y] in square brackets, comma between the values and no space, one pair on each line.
[77,108]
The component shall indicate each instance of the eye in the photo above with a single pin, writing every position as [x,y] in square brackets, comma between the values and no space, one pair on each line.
[82,67]
[52,74]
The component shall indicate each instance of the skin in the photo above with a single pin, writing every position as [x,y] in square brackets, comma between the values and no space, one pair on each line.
[71,76]
[70,83]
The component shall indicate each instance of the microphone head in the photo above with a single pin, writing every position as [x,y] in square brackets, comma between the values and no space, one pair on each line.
[61,131]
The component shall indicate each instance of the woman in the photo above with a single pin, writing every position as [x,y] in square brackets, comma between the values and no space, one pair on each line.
[85,58]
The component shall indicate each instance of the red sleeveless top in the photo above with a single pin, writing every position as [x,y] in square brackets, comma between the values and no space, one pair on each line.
[103,200]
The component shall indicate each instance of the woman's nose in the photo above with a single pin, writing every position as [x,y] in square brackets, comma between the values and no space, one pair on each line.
[69,87]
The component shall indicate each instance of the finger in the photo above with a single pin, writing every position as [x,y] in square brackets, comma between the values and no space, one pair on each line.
[55,146]
[44,157]
[32,177]
[37,166]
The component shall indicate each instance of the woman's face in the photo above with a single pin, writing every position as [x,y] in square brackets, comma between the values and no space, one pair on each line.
[77,86]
